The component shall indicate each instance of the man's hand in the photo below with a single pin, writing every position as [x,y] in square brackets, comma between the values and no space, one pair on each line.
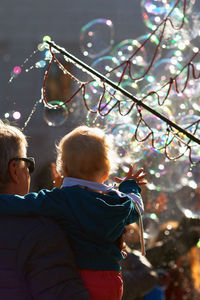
[139,176]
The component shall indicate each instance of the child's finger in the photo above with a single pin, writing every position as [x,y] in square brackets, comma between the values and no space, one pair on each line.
[141,177]
[140,171]
[117,179]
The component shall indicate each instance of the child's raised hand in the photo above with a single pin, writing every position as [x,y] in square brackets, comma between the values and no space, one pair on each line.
[139,176]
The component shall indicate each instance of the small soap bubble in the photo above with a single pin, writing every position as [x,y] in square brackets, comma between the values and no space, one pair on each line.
[17,70]
[16,115]
[48,55]
[41,47]
[12,116]
[46,38]
[56,115]
[40,64]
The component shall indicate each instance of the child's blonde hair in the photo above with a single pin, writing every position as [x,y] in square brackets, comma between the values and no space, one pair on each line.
[84,153]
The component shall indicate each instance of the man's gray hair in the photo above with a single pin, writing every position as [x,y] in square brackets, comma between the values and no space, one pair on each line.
[11,141]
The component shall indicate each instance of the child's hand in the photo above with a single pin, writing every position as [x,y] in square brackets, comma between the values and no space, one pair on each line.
[139,176]
[57,178]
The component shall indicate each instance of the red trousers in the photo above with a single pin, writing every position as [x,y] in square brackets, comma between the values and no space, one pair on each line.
[103,285]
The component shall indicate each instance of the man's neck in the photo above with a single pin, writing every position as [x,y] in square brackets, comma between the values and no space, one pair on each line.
[9,189]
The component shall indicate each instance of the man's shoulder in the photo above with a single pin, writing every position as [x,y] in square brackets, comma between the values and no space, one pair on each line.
[24,225]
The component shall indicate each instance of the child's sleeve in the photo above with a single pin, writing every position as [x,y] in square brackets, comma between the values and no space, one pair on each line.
[131,188]
[45,203]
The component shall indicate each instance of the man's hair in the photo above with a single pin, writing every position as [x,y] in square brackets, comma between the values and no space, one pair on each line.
[11,141]
[84,153]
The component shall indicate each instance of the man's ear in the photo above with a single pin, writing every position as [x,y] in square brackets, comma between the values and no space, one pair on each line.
[13,171]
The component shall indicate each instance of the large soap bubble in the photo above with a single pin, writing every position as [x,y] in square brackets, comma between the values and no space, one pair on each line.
[163,174]
[56,115]
[125,49]
[150,126]
[97,38]
[154,13]
[151,226]
[164,69]
[127,148]
[104,66]
[188,200]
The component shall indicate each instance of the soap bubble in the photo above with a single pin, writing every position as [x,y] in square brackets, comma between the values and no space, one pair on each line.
[47,55]
[154,93]
[40,64]
[194,21]
[163,174]
[41,47]
[150,43]
[125,49]
[56,115]
[127,148]
[155,11]
[191,123]
[17,70]
[99,116]
[152,126]
[104,65]
[189,200]
[46,38]
[151,225]
[12,116]
[126,104]
[164,69]
[179,104]
[97,38]
[187,121]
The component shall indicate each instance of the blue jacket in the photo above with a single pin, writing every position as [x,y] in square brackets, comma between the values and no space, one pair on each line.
[93,221]
[36,261]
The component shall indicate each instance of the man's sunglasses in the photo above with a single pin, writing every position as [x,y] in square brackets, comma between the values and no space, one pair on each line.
[30,162]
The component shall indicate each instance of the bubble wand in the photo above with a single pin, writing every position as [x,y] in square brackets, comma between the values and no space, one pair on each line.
[107,81]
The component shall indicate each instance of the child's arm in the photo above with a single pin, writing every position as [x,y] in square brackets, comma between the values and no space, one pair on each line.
[130,187]
[45,203]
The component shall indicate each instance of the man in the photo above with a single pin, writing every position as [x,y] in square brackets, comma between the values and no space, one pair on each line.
[36,261]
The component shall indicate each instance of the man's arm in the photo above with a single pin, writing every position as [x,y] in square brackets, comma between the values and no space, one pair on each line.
[48,263]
